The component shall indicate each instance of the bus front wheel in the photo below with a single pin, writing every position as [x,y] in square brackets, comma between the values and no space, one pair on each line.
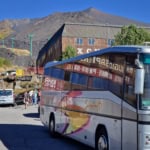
[52,127]
[102,140]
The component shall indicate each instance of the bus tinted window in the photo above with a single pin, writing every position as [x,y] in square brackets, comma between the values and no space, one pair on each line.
[47,71]
[57,73]
[67,76]
[98,83]
[78,78]
[129,95]
[116,74]
[98,72]
[54,72]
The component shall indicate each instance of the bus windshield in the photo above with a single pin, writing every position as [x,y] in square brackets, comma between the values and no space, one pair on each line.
[145,103]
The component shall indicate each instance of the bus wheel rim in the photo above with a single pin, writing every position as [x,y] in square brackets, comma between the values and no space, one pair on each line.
[52,126]
[102,143]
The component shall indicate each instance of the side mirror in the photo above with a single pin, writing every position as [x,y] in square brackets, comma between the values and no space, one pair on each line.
[139,81]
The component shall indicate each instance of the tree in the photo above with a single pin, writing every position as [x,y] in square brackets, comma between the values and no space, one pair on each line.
[131,35]
[69,52]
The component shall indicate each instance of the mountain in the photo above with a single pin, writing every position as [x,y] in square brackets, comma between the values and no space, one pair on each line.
[44,28]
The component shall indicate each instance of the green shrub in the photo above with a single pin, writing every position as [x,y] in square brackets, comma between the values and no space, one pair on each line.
[4,62]
[1,62]
[7,62]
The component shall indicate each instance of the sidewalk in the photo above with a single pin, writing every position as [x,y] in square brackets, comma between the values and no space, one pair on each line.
[2,146]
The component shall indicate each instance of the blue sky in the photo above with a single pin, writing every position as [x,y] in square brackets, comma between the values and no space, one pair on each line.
[20,9]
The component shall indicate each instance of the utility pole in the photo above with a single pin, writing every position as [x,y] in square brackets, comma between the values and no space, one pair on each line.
[12,42]
[3,43]
[30,39]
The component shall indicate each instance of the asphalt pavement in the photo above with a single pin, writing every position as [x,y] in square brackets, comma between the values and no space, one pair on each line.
[21,129]
[17,125]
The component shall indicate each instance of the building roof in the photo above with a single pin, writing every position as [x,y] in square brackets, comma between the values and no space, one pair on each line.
[82,30]
[90,30]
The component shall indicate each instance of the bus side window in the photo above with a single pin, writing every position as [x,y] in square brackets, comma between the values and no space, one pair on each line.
[57,73]
[98,73]
[47,71]
[67,84]
[67,76]
[116,73]
[79,81]
[129,95]
[97,83]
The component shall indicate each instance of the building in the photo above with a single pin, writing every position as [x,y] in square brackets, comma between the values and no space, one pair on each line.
[83,37]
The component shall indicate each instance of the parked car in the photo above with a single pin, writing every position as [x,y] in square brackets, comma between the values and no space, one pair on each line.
[7,97]
[19,98]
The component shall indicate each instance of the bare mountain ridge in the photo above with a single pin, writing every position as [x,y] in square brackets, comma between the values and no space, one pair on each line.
[44,28]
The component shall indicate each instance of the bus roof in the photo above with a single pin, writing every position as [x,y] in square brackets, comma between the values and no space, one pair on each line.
[113,49]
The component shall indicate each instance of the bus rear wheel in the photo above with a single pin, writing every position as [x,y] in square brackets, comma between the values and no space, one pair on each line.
[102,140]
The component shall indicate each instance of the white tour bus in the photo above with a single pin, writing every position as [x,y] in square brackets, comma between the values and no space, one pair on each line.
[7,96]
[101,99]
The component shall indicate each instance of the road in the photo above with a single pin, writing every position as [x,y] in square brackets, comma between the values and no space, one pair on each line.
[21,129]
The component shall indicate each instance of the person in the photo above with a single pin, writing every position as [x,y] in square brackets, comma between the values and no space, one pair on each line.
[35,95]
[31,97]
[39,95]
[26,99]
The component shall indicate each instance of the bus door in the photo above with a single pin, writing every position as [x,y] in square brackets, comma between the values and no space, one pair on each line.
[129,111]
[129,127]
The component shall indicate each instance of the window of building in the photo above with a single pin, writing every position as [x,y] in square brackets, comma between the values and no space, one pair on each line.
[110,42]
[91,41]
[79,41]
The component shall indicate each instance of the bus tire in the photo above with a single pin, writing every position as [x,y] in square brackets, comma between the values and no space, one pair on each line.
[52,127]
[39,110]
[101,142]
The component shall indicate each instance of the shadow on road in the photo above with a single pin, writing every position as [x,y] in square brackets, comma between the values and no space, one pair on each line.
[34,137]
[21,137]
[32,115]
